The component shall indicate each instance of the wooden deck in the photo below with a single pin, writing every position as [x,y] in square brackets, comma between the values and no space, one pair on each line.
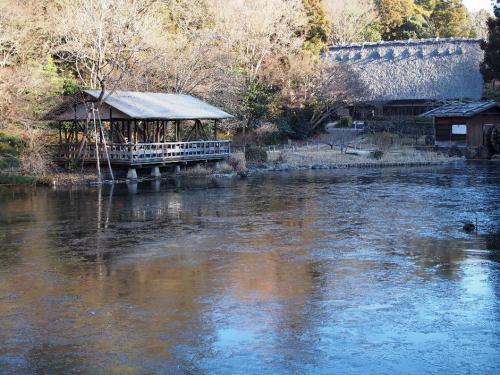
[139,154]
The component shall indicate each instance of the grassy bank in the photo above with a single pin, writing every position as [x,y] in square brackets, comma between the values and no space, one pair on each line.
[331,159]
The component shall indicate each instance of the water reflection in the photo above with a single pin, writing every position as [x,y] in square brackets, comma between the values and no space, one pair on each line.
[355,271]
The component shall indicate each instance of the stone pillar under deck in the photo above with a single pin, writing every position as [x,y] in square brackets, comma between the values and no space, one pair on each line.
[177,169]
[131,174]
[155,172]
[132,188]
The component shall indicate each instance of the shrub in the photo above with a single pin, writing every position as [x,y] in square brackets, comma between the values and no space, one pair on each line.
[345,122]
[9,151]
[282,157]
[238,164]
[6,179]
[11,140]
[255,154]
[267,134]
[34,157]
[385,141]
[377,154]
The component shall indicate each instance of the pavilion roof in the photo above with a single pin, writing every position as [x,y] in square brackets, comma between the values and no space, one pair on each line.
[140,106]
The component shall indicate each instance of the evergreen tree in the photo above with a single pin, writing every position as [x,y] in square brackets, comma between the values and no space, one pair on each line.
[450,19]
[427,5]
[491,65]
[317,27]
[415,26]
[404,19]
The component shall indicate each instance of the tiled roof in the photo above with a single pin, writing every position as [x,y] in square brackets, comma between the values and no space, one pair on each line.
[461,109]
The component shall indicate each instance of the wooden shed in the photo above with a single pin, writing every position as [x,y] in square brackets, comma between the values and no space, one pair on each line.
[471,125]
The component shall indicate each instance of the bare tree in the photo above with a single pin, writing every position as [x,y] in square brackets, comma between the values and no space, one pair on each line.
[478,22]
[186,56]
[104,38]
[256,33]
[350,19]
[256,29]
[323,86]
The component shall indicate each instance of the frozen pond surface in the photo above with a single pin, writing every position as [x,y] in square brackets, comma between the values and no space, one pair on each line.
[352,271]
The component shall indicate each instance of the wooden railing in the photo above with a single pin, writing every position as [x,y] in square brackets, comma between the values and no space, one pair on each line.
[145,153]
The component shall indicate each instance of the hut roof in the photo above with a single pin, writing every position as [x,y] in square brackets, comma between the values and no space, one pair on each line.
[461,109]
[141,106]
[427,69]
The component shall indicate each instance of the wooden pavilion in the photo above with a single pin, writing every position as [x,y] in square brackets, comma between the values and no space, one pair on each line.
[137,129]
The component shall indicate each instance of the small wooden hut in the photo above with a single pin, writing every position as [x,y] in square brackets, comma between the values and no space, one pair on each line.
[471,125]
[137,129]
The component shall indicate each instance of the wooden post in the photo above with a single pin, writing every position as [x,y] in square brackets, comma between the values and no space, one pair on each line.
[215,130]
[98,164]
[111,131]
[105,145]
[100,136]
[111,125]
[177,131]
[60,132]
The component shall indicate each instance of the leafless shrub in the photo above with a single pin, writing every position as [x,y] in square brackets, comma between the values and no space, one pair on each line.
[238,163]
[384,141]
[35,159]
[282,157]
[266,133]
[255,154]
[341,138]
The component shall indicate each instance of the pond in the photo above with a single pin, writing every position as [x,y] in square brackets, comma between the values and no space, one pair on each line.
[316,272]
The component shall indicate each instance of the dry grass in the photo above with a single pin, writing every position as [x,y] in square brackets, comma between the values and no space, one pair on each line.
[68,178]
[223,168]
[198,170]
[203,170]
[334,157]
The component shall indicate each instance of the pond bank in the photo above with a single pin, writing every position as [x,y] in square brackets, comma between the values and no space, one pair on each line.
[282,167]
[76,179]
[236,166]
[330,159]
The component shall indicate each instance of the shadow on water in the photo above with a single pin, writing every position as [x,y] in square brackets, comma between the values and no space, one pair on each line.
[303,272]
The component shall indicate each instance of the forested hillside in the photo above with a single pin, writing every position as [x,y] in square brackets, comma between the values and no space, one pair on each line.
[258,59]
